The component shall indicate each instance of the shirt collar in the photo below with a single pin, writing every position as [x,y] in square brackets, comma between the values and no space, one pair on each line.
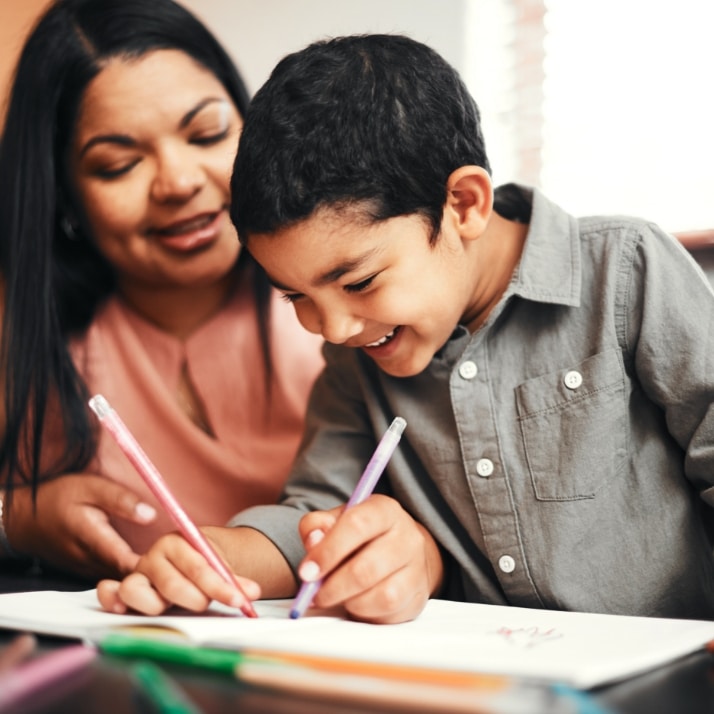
[549,269]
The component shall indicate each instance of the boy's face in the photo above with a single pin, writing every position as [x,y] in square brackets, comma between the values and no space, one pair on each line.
[379,287]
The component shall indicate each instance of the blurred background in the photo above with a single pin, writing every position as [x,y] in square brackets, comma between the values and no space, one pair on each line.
[605,106]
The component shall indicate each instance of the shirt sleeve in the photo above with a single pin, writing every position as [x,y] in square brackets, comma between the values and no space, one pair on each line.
[670,332]
[337,444]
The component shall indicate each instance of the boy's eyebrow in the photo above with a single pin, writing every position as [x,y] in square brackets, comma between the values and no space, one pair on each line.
[346,266]
[331,275]
[125,140]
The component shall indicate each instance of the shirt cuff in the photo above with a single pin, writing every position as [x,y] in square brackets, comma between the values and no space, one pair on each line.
[280,525]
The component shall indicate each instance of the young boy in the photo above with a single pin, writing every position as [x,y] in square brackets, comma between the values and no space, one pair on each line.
[556,374]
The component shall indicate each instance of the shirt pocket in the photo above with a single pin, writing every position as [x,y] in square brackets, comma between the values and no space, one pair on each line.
[574,427]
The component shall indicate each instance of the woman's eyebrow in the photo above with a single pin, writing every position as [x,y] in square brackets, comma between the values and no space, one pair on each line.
[120,139]
[126,140]
[188,117]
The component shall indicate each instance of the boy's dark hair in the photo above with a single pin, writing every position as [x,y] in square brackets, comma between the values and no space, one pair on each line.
[376,120]
[53,285]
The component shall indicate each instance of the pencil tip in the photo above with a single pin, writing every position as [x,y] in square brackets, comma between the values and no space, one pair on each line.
[249,610]
[294,614]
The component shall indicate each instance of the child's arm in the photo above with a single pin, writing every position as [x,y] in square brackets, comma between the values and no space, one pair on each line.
[374,558]
[377,562]
[173,573]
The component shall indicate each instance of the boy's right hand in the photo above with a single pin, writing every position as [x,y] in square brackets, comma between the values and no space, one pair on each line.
[374,559]
[70,528]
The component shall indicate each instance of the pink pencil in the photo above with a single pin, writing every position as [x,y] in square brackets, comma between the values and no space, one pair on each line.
[141,462]
[28,678]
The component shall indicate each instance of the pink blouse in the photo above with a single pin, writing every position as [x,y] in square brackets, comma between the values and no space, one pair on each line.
[137,367]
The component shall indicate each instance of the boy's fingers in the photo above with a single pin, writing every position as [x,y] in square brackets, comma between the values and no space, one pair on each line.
[317,521]
[136,592]
[354,528]
[182,576]
[108,595]
[373,562]
[368,568]
[250,588]
[378,582]
[392,600]
[313,538]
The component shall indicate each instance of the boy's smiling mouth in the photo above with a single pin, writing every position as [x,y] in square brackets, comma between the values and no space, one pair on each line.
[383,340]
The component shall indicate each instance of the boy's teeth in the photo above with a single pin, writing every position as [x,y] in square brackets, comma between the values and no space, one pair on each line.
[382,340]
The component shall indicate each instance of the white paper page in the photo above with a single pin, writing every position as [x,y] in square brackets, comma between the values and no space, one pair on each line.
[581,649]
[79,615]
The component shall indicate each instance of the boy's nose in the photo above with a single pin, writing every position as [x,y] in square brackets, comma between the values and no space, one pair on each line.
[339,327]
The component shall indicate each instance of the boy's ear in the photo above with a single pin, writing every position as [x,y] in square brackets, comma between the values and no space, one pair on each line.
[469,197]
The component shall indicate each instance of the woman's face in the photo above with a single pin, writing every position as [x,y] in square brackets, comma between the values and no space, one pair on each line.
[151,162]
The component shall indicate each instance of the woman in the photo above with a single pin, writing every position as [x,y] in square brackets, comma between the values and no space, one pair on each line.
[123,275]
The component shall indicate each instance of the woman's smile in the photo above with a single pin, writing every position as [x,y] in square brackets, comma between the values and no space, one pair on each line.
[191,234]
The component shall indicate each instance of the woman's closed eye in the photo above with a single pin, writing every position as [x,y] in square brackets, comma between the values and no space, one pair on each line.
[111,172]
[210,139]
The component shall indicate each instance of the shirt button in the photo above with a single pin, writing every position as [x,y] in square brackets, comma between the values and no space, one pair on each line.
[573,379]
[484,467]
[468,369]
[507,564]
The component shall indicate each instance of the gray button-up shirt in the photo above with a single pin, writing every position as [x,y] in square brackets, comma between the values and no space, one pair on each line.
[563,455]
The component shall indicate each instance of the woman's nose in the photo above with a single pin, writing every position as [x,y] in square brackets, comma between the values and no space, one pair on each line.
[178,177]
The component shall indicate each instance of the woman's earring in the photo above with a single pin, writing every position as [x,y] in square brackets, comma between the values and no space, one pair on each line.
[68,228]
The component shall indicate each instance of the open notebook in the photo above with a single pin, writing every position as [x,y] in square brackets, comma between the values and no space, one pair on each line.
[580,649]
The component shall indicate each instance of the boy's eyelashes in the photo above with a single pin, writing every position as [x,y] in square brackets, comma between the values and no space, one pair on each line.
[351,288]
[360,286]
[290,297]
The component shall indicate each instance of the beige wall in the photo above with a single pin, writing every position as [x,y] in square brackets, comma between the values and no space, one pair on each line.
[16,20]
[250,34]
[258,34]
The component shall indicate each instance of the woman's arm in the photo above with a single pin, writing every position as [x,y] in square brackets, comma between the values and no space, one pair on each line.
[69,526]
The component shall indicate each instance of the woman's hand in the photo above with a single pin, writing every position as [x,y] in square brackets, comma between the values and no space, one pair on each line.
[70,527]
[375,560]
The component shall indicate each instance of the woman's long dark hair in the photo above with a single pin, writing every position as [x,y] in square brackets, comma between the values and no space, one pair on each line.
[52,285]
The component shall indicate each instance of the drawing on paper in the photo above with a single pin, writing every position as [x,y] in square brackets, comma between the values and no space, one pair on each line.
[527,637]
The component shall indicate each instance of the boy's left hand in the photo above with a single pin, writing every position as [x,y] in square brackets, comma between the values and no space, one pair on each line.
[174,573]
[375,560]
